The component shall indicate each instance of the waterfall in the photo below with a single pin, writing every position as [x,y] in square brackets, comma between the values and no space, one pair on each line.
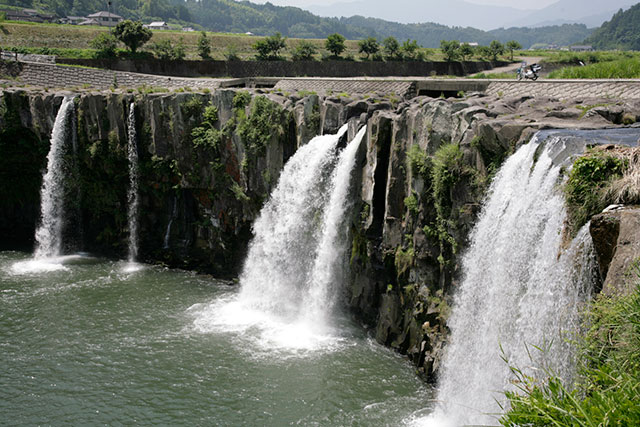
[132,196]
[519,290]
[290,277]
[49,233]
[327,272]
[286,234]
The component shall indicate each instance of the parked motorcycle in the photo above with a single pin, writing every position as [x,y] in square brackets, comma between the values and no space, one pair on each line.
[528,72]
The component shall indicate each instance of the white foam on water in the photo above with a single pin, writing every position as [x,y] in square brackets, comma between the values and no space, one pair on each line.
[519,290]
[288,283]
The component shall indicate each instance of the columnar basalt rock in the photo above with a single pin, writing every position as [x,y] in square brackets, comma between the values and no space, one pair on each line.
[208,161]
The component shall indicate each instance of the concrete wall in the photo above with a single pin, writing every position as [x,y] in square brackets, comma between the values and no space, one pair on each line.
[285,68]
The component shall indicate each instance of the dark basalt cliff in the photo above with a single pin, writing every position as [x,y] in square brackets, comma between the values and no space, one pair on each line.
[208,161]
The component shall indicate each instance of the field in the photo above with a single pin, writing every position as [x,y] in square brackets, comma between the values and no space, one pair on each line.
[73,40]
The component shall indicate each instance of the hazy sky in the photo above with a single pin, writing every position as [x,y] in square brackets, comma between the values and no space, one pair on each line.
[519,4]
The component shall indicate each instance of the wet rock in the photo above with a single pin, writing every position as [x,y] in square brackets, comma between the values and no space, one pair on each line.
[616,239]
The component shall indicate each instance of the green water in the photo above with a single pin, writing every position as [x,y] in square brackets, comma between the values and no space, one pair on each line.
[92,344]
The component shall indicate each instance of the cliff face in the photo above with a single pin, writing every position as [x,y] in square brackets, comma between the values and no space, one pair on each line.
[209,160]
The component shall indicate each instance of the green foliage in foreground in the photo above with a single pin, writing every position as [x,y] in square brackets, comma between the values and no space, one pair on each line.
[620,69]
[608,388]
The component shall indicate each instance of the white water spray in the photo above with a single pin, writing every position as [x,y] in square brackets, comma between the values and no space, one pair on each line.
[517,291]
[294,261]
[327,272]
[132,196]
[49,233]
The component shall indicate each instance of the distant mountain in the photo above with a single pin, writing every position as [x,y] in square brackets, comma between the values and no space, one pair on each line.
[592,13]
[430,34]
[460,13]
[456,13]
[621,32]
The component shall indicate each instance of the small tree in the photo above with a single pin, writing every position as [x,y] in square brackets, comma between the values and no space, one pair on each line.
[204,46]
[304,51]
[450,49]
[368,46]
[335,44]
[410,50]
[483,52]
[496,48]
[513,45]
[105,45]
[231,53]
[269,47]
[132,34]
[391,48]
[167,51]
[466,50]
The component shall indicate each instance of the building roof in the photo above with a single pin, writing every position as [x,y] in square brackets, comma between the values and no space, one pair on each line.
[158,24]
[89,22]
[103,14]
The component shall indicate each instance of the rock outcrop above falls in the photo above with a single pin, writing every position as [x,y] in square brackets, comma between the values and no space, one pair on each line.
[616,238]
[208,162]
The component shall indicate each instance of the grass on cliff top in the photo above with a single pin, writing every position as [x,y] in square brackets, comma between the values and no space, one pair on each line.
[618,69]
[599,178]
[607,390]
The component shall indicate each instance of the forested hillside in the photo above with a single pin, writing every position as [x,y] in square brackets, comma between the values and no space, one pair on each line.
[621,32]
[265,19]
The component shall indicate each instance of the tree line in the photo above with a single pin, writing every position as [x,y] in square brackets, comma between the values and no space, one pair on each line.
[265,19]
[134,35]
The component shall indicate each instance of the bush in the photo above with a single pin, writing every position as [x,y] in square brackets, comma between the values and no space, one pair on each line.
[263,123]
[269,48]
[204,46]
[368,46]
[304,51]
[166,50]
[587,183]
[335,44]
[132,34]
[105,45]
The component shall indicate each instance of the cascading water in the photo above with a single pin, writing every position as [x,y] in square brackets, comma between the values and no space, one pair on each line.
[517,291]
[49,233]
[327,271]
[132,196]
[294,260]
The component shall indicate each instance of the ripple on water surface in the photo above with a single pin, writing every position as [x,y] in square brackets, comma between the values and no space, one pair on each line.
[93,344]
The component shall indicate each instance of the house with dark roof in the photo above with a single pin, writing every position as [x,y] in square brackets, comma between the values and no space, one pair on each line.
[28,15]
[72,20]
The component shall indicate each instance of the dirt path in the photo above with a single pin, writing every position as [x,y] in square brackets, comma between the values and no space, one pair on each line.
[511,68]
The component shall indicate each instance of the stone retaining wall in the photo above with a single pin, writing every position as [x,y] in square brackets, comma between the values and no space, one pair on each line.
[568,89]
[286,68]
[402,88]
[56,76]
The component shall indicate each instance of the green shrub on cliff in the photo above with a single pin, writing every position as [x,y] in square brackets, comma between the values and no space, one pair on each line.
[207,135]
[607,390]
[418,161]
[585,189]
[262,124]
